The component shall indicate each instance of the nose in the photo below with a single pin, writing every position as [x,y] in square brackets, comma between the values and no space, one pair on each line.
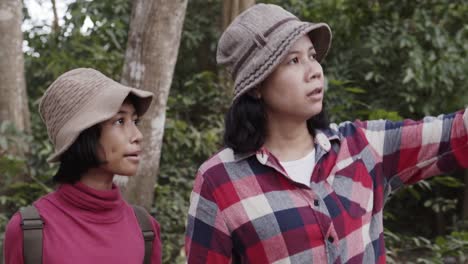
[314,70]
[137,136]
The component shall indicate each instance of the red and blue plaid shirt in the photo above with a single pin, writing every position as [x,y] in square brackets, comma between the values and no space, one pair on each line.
[246,209]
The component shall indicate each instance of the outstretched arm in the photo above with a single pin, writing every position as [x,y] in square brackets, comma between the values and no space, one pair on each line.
[414,150]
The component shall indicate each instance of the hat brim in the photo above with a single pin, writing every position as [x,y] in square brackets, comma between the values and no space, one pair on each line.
[102,107]
[320,35]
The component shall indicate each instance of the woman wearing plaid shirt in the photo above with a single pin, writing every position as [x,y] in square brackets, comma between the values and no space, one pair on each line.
[289,187]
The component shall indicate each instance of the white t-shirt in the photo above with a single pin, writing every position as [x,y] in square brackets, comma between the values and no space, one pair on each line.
[300,170]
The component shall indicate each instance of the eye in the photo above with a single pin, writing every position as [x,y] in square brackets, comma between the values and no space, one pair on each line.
[119,121]
[294,60]
[136,121]
[313,56]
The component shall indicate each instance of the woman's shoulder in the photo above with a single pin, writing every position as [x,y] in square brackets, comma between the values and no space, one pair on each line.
[225,166]
[349,128]
[223,156]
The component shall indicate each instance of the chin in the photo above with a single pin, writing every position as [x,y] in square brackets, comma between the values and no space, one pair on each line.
[126,172]
[317,110]
[313,113]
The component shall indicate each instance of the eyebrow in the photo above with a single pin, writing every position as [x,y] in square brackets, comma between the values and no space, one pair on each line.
[297,51]
[127,112]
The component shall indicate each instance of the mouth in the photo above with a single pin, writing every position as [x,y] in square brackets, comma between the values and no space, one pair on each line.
[133,156]
[315,92]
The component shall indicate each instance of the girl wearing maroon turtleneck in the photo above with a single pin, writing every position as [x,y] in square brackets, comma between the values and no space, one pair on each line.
[85,219]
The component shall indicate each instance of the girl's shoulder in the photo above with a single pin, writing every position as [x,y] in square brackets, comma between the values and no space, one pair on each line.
[14,224]
[13,240]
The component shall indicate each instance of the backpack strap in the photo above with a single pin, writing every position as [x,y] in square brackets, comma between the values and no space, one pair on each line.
[32,225]
[146,229]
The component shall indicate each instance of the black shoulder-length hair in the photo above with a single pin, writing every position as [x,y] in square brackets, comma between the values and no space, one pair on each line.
[79,157]
[245,124]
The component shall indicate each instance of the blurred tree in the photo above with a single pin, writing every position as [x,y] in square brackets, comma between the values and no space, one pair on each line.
[232,8]
[14,111]
[13,98]
[194,121]
[55,22]
[152,48]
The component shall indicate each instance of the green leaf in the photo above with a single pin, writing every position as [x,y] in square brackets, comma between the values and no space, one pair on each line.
[356,90]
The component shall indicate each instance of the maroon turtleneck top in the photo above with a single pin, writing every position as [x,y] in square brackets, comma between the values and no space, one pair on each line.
[84,225]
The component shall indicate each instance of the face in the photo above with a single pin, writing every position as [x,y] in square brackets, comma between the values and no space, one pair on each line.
[295,88]
[120,142]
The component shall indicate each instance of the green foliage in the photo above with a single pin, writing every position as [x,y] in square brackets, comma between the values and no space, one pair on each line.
[194,122]
[452,248]
[11,141]
[342,101]
[199,38]
[428,43]
[18,184]
[409,55]
[192,133]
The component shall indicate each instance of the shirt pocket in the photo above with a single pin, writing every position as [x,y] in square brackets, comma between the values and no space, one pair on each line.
[353,187]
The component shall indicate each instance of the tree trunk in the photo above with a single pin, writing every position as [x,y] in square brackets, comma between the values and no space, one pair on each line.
[232,8]
[13,99]
[55,24]
[152,47]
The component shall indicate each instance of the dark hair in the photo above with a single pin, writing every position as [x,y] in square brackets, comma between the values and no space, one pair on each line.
[79,157]
[245,124]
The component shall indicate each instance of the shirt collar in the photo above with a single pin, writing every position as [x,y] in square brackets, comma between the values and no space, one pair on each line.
[323,138]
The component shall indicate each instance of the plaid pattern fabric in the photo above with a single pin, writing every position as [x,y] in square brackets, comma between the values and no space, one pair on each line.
[246,209]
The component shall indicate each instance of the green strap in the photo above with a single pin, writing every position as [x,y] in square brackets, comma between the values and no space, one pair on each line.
[32,225]
[147,231]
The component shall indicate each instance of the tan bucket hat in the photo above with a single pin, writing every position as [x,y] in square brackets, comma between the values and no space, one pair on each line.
[79,99]
[258,40]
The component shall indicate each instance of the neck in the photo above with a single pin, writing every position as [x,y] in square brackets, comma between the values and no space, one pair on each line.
[288,139]
[98,179]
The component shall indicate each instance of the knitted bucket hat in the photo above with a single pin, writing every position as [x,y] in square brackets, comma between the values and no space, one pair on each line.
[79,99]
[259,39]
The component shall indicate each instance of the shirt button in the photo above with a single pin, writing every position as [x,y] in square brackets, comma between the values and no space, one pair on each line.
[316,202]
[331,239]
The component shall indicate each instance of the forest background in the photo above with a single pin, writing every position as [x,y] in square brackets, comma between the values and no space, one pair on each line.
[389,59]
